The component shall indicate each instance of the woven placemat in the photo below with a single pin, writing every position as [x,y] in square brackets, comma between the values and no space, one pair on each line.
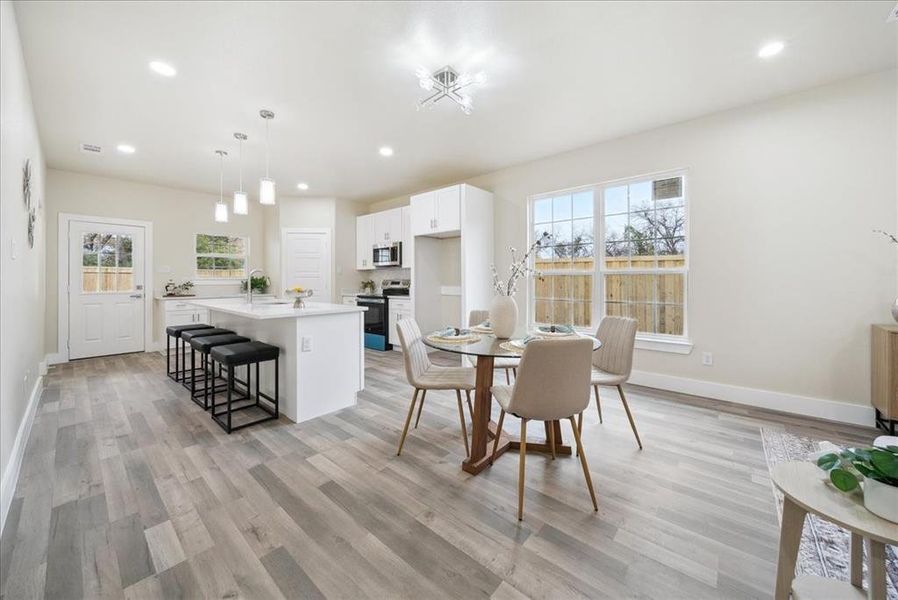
[468,339]
[509,347]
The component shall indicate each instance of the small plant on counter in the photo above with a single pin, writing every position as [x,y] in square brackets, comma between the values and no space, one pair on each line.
[851,465]
[368,286]
[180,289]
[260,284]
[519,268]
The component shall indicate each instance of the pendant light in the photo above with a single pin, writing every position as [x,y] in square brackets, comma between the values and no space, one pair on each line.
[221,209]
[266,184]
[241,201]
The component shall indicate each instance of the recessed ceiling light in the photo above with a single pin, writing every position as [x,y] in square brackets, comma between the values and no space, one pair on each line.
[126,148]
[385,151]
[164,69]
[771,49]
[302,186]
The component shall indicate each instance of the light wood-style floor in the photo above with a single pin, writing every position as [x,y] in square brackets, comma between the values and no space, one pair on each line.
[129,489]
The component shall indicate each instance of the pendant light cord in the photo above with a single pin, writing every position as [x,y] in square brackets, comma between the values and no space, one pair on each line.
[267,146]
[221,178]
[240,160]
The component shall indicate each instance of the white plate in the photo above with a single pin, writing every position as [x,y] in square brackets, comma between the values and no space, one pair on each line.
[479,329]
[551,334]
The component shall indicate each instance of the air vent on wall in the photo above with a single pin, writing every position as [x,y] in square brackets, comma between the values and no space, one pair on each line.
[91,149]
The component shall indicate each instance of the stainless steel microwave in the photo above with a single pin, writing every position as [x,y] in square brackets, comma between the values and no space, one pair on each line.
[387,255]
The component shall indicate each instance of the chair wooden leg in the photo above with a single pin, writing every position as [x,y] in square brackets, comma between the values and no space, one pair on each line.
[551,428]
[470,406]
[598,403]
[521,470]
[408,418]
[623,399]
[514,372]
[579,428]
[498,435]
[420,406]
[592,492]
[507,377]
[464,428]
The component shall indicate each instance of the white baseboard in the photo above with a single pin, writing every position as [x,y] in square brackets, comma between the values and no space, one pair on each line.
[11,474]
[56,358]
[829,410]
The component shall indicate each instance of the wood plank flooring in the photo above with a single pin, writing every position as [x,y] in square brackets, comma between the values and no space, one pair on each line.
[129,490]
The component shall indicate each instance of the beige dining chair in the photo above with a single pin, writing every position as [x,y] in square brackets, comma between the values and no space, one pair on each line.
[612,363]
[553,384]
[424,375]
[509,365]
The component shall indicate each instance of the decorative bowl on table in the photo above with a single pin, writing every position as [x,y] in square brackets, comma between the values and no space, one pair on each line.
[299,295]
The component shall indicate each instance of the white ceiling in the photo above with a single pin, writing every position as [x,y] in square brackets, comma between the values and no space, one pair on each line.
[341,78]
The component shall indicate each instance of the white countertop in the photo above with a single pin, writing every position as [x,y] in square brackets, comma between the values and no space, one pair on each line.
[212,297]
[273,308]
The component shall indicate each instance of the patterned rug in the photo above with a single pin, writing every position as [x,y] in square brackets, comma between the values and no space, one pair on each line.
[824,546]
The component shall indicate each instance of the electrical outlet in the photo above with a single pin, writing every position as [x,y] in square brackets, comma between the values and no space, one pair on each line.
[707,359]
[306,344]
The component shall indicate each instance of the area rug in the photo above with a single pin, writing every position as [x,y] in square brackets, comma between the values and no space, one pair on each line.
[824,547]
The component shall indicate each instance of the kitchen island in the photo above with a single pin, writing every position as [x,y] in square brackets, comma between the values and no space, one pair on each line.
[322,360]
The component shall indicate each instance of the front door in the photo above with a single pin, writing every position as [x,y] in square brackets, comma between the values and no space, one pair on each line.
[307,263]
[106,298]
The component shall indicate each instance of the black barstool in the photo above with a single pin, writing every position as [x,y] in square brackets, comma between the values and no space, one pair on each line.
[235,355]
[203,345]
[174,331]
[188,335]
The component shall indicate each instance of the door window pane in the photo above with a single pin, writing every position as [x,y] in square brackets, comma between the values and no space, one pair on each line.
[106,263]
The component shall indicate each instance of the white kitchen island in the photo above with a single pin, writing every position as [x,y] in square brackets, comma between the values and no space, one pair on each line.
[322,360]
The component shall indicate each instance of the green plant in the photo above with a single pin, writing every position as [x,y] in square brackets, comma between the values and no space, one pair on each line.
[848,467]
[260,284]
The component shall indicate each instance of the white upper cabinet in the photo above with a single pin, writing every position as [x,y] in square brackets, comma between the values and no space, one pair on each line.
[423,207]
[436,212]
[387,226]
[364,242]
[448,209]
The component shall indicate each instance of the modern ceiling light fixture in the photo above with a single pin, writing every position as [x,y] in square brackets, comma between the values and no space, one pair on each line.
[385,151]
[162,68]
[302,186]
[771,49]
[241,200]
[221,209]
[126,148]
[448,83]
[266,184]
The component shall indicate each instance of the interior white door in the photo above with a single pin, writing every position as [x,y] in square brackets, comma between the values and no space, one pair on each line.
[307,263]
[106,289]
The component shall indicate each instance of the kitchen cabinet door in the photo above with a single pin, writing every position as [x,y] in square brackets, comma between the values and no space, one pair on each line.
[423,213]
[448,209]
[394,225]
[364,234]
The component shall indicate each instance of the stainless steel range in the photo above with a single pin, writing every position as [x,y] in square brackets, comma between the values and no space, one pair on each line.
[377,317]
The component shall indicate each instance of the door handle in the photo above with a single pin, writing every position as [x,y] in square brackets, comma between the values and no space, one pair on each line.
[137,295]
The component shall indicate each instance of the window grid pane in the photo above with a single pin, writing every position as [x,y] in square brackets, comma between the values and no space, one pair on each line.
[220,257]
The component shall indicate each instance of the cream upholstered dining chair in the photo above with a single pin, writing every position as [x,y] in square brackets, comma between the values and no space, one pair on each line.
[613,362]
[424,375]
[553,384]
[476,317]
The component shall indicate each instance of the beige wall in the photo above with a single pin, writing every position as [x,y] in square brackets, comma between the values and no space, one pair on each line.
[21,273]
[176,216]
[785,274]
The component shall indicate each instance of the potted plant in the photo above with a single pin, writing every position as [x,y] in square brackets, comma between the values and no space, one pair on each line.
[368,286]
[876,467]
[260,284]
[503,308]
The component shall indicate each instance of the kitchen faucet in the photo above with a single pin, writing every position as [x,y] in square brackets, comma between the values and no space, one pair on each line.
[249,285]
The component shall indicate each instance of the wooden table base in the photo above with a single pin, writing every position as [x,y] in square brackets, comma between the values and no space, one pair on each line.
[483,431]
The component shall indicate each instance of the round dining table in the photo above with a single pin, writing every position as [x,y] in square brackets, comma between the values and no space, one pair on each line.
[487,348]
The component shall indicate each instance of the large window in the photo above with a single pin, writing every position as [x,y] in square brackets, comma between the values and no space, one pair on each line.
[220,256]
[638,228]
[564,293]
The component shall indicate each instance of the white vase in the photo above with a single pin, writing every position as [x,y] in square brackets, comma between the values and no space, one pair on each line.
[881,499]
[503,316]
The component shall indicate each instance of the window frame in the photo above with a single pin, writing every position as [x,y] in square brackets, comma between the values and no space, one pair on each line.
[652,341]
[218,280]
